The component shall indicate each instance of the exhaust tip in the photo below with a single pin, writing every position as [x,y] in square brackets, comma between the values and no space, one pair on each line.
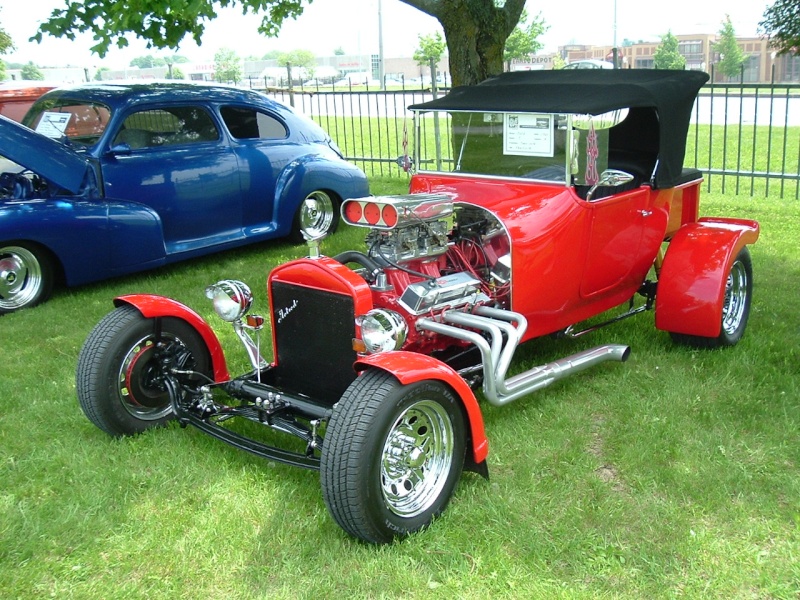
[626,354]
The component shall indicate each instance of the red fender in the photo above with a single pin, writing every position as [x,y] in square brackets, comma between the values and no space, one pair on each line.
[152,306]
[410,367]
[691,285]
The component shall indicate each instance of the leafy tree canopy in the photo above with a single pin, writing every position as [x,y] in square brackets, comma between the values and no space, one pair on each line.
[297,58]
[667,56]
[431,48]
[32,72]
[524,40]
[475,30]
[782,24]
[731,57]
[163,23]
[6,44]
[227,66]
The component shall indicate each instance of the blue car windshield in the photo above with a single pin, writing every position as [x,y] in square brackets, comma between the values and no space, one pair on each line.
[81,122]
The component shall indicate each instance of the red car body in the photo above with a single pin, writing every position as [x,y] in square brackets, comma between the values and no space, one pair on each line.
[565,197]
[17,98]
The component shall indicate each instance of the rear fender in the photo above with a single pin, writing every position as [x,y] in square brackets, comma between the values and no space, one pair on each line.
[410,367]
[152,307]
[691,285]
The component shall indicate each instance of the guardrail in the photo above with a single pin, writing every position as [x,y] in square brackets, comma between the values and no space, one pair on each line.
[745,138]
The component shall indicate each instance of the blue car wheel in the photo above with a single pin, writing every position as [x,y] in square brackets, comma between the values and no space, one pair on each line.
[26,276]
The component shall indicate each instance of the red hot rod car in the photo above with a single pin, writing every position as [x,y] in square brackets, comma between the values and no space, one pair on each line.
[539,200]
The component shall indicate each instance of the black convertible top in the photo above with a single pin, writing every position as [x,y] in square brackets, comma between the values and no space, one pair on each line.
[661,104]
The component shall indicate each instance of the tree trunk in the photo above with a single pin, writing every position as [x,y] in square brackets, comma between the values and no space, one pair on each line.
[476,32]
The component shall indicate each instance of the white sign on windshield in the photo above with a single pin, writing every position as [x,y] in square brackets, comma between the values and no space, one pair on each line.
[528,134]
[53,124]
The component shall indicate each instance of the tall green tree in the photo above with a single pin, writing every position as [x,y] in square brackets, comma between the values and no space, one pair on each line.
[524,40]
[31,72]
[667,56]
[304,59]
[6,46]
[782,24]
[227,66]
[147,62]
[430,49]
[475,30]
[731,57]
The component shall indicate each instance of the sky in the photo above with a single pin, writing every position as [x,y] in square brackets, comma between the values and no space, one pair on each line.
[353,25]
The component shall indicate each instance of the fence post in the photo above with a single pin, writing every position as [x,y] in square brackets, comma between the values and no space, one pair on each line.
[437,136]
[291,89]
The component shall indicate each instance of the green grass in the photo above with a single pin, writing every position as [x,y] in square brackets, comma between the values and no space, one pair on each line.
[672,475]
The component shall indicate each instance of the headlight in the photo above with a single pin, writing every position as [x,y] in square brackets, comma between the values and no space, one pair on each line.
[231,298]
[382,330]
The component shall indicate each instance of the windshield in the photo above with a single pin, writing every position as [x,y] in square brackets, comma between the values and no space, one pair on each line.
[82,122]
[550,147]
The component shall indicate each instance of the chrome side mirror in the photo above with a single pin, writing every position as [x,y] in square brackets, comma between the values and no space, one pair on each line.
[609,177]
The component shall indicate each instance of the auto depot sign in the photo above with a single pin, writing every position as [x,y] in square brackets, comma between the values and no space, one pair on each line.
[533,63]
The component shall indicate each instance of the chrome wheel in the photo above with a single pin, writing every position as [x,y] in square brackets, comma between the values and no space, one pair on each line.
[736,294]
[22,280]
[392,455]
[317,214]
[417,458]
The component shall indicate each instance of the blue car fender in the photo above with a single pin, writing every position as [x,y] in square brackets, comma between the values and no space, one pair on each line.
[314,172]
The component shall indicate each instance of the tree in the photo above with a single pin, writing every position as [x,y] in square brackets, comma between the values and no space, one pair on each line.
[475,30]
[32,72]
[6,46]
[431,49]
[147,62]
[667,56]
[524,40]
[98,75]
[304,59]
[731,57]
[175,73]
[227,66]
[782,24]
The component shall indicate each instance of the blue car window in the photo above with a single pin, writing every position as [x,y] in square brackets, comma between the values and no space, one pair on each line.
[247,124]
[167,127]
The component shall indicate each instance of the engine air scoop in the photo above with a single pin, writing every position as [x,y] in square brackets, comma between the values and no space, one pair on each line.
[392,212]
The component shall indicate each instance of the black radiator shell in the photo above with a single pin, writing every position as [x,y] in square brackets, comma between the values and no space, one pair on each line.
[314,332]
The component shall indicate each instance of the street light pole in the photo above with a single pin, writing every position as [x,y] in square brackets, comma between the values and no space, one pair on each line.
[381,73]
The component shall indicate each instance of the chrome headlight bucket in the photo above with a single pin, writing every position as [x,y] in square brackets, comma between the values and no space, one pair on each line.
[232,299]
[382,330]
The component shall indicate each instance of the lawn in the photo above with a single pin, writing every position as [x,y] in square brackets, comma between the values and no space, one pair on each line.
[672,475]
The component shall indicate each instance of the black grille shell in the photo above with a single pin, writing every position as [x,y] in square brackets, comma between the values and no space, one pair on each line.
[314,332]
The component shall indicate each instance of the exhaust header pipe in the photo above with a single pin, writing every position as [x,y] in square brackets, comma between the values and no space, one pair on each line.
[505,329]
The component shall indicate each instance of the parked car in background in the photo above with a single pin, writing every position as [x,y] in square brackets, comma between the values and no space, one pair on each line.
[561,195]
[122,178]
[16,97]
[590,64]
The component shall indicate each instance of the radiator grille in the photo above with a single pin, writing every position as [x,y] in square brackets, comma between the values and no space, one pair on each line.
[313,333]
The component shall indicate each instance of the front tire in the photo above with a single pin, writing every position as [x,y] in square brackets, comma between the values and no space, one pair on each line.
[120,378]
[392,456]
[735,307]
[26,276]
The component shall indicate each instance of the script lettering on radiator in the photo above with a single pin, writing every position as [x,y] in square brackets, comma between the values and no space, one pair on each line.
[285,312]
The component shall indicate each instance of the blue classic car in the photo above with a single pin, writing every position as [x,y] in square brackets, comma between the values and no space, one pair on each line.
[110,179]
